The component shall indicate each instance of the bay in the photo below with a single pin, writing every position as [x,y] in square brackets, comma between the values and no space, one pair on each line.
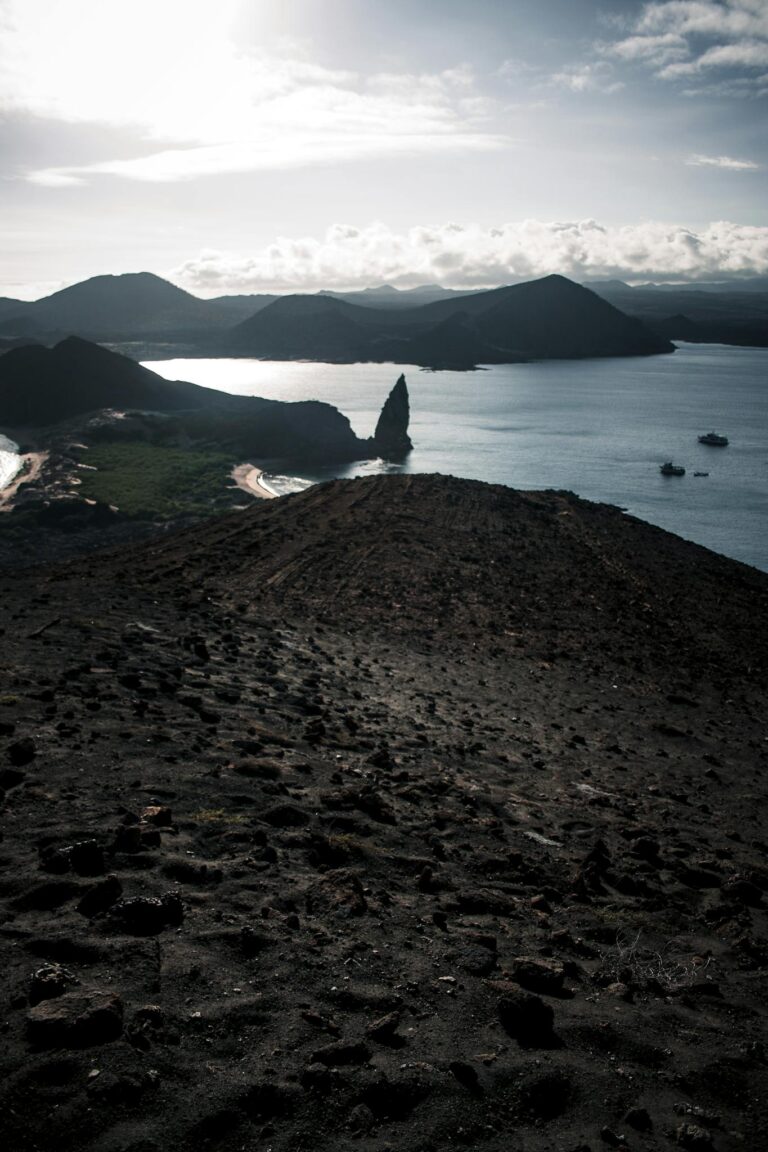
[599,428]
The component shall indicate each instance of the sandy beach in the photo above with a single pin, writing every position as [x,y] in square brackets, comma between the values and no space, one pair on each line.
[249,478]
[31,464]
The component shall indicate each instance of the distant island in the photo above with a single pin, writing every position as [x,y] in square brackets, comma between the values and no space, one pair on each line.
[147,318]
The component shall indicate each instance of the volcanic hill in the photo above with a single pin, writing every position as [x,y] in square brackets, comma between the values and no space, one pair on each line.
[551,318]
[405,813]
[134,303]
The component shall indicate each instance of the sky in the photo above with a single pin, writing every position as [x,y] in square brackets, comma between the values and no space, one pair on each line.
[292,145]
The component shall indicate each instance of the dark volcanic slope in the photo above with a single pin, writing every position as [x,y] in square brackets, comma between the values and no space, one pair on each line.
[407,813]
[44,385]
[433,552]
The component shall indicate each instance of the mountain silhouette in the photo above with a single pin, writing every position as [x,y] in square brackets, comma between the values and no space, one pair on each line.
[713,313]
[293,327]
[552,318]
[549,318]
[131,305]
[555,318]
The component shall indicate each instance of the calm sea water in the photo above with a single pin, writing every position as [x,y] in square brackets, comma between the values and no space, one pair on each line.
[600,428]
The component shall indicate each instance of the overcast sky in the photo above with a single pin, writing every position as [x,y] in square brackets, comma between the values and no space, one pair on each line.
[257,145]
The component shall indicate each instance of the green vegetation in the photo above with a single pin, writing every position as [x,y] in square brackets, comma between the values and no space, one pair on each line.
[153,480]
[218,816]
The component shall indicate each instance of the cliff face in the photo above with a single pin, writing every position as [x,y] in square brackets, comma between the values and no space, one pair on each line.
[391,440]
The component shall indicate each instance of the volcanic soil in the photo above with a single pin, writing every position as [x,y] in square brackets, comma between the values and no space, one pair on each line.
[405,813]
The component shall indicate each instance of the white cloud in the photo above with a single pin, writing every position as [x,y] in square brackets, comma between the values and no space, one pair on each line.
[735,87]
[680,39]
[716,18]
[467,256]
[746,54]
[55,178]
[173,72]
[596,77]
[271,151]
[698,161]
[658,49]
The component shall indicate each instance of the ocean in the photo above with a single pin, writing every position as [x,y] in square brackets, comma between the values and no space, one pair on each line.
[599,428]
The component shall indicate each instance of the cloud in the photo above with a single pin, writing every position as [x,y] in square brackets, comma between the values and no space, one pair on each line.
[202,104]
[680,39]
[468,256]
[715,18]
[55,178]
[746,54]
[597,77]
[656,49]
[735,87]
[728,162]
[270,152]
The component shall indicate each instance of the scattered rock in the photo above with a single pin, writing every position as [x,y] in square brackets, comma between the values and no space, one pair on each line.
[48,982]
[148,915]
[693,1137]
[46,897]
[339,891]
[285,816]
[466,1074]
[361,1120]
[646,848]
[76,1020]
[87,858]
[743,890]
[55,860]
[385,1028]
[11,778]
[21,752]
[639,1119]
[333,1055]
[538,975]
[100,897]
[609,1137]
[157,814]
[525,1017]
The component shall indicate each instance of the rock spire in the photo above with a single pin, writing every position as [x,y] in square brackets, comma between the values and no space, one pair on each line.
[391,439]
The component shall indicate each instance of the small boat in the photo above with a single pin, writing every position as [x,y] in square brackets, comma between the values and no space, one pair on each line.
[670,469]
[701,473]
[714,439]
